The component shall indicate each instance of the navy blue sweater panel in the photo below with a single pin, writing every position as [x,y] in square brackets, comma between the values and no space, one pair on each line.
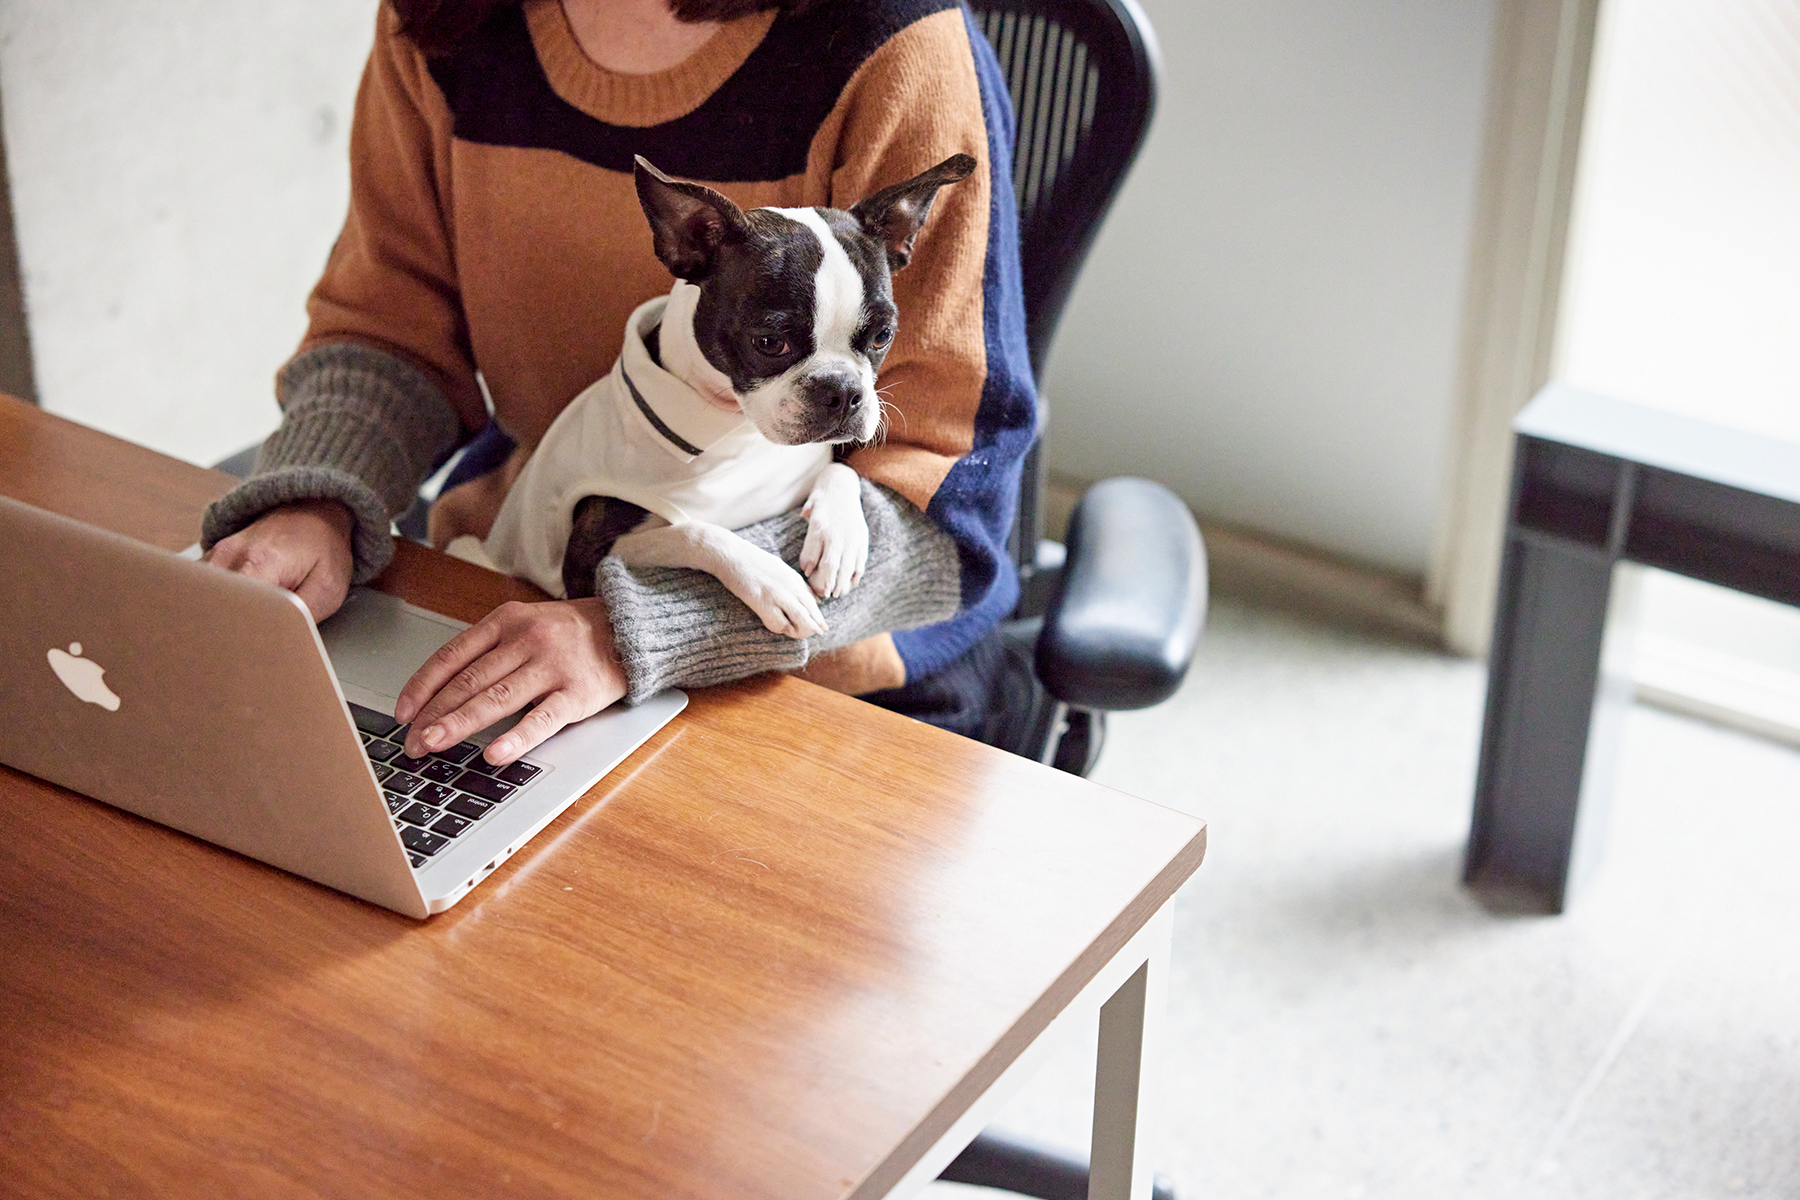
[979,498]
[757,127]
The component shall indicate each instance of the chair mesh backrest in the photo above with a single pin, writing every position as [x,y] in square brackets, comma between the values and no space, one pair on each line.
[1082,79]
[1053,89]
[1082,75]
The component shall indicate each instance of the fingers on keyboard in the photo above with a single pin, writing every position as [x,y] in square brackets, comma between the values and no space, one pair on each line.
[436,798]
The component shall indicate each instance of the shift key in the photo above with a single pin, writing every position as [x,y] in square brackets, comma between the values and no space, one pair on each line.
[481,785]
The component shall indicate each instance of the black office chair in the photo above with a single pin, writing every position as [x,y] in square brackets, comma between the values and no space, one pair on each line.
[1111,622]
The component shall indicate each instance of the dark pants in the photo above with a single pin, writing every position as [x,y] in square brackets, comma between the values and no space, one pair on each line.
[484,453]
[988,694]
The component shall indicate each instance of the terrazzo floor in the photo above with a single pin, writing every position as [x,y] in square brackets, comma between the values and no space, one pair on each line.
[1346,1021]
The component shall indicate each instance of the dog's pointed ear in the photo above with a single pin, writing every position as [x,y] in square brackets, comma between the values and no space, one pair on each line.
[894,215]
[688,221]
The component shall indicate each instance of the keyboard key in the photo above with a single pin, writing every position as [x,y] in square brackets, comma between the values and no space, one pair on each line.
[417,860]
[470,807]
[418,814]
[462,752]
[381,751]
[403,783]
[366,739]
[450,825]
[398,737]
[407,762]
[481,785]
[443,772]
[482,765]
[395,803]
[370,721]
[435,794]
[519,773]
[423,841]
[382,773]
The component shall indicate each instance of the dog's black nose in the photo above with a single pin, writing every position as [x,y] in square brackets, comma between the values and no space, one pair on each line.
[836,393]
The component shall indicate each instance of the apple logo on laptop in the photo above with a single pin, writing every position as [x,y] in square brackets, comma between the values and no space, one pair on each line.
[82,676]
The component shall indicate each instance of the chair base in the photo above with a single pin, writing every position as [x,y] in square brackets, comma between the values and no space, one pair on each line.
[1083,734]
[1017,1166]
[1029,721]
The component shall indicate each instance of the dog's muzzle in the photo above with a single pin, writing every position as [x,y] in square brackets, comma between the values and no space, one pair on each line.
[837,409]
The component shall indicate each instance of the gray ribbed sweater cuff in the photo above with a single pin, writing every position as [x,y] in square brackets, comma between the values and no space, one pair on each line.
[359,426]
[679,628]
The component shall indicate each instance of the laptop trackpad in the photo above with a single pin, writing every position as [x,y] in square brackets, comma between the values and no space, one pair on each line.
[376,642]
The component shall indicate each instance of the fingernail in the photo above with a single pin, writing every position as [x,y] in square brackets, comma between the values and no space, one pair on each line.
[433,736]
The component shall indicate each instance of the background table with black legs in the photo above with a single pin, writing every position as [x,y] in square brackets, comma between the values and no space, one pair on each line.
[1598,482]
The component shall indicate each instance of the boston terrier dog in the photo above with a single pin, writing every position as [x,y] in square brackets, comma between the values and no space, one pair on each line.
[725,405]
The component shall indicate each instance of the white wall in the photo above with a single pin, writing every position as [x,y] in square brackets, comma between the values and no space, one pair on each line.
[179,172]
[1270,321]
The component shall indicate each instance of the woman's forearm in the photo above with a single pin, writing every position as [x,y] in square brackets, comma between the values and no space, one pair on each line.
[681,628]
[359,426]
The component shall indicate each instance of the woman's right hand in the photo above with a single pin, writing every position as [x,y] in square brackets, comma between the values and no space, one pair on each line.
[303,547]
[556,657]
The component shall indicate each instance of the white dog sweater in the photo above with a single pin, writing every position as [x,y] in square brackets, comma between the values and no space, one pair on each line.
[641,435]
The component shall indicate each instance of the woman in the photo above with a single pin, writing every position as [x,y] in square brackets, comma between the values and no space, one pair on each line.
[494,246]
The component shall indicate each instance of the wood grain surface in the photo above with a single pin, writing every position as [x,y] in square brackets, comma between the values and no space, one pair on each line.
[82,473]
[788,935]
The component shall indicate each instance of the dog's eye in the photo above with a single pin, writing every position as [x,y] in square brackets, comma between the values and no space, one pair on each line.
[770,345]
[883,338]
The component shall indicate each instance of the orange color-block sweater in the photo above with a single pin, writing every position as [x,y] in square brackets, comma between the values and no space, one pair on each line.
[494,238]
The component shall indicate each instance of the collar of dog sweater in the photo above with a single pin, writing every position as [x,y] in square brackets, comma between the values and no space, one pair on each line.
[688,422]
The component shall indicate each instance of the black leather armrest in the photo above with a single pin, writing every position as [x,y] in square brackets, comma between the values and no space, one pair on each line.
[1121,630]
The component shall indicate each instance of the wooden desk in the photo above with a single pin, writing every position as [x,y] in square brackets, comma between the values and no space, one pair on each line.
[794,947]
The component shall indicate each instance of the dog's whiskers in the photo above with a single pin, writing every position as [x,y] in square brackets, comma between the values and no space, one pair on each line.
[888,407]
[888,411]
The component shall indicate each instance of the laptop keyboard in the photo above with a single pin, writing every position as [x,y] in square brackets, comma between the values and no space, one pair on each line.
[435,799]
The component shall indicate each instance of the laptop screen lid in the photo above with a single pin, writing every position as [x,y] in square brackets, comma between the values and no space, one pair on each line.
[195,697]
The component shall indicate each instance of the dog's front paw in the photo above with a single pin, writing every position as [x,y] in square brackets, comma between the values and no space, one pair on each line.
[834,557]
[778,595]
[837,534]
[775,592]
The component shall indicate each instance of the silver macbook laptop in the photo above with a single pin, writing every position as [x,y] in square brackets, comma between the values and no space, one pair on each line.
[209,702]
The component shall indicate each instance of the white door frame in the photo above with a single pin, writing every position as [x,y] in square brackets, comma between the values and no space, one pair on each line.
[1537,99]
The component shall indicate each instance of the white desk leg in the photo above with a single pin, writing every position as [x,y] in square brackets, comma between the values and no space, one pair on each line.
[1130,1025]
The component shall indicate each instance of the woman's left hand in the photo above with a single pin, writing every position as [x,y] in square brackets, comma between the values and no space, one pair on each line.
[557,653]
